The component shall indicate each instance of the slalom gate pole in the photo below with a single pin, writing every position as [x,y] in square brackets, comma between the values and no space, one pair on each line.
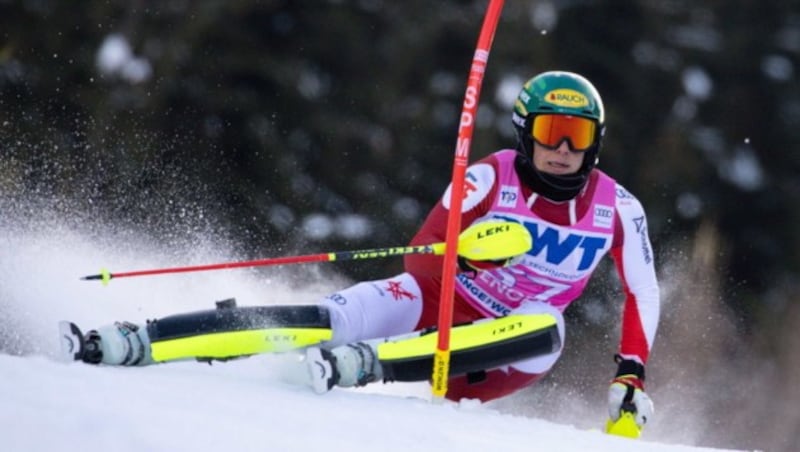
[441,357]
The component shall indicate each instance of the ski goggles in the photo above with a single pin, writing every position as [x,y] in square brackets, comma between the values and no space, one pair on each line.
[551,130]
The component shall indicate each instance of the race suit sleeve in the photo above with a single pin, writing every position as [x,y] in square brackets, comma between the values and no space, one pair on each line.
[633,256]
[479,191]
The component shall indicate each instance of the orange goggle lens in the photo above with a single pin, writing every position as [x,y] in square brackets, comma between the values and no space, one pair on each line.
[551,130]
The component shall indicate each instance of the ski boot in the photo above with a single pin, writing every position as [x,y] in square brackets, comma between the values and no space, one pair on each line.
[345,366]
[120,344]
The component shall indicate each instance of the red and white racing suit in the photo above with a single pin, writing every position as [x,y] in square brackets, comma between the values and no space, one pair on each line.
[569,240]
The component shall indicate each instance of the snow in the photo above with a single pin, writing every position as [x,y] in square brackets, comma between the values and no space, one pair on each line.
[319,226]
[115,57]
[258,403]
[247,405]
[743,169]
[697,83]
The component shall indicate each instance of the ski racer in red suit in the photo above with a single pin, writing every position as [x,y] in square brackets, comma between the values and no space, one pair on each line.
[575,214]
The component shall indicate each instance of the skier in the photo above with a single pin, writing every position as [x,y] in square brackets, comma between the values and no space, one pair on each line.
[576,214]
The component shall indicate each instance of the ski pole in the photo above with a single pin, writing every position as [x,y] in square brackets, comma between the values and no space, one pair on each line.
[441,357]
[483,241]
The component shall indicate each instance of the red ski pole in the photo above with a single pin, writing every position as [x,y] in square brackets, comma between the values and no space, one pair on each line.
[505,239]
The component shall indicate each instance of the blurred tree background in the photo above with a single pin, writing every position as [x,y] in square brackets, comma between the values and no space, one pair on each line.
[304,126]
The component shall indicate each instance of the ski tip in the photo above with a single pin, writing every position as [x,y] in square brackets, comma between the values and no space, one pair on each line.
[71,339]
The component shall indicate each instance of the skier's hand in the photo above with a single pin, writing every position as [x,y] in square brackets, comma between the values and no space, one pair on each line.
[626,392]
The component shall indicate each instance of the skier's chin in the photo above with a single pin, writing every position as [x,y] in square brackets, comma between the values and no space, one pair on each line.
[558,170]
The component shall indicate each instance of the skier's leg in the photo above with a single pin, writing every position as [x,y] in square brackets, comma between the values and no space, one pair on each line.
[371,309]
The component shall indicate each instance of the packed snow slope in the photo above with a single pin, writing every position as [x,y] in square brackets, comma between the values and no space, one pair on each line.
[245,405]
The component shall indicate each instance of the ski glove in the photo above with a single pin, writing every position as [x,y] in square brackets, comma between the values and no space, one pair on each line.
[626,392]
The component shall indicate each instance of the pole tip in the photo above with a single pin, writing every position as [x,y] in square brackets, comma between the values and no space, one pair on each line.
[104,277]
